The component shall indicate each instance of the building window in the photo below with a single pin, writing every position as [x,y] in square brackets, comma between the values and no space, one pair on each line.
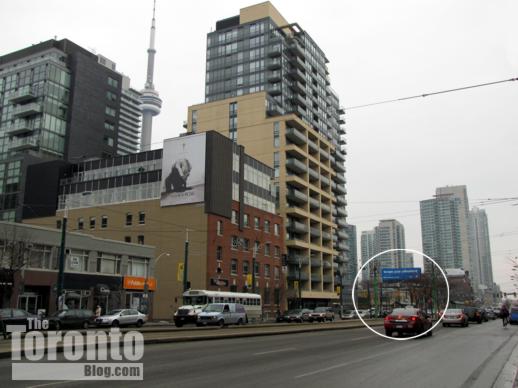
[246,244]
[194,120]
[256,266]
[219,253]
[108,140]
[58,224]
[276,164]
[267,270]
[276,273]
[77,261]
[267,249]
[110,111]
[257,223]
[92,222]
[219,228]
[141,218]
[232,121]
[233,267]
[127,239]
[276,134]
[109,126]
[277,251]
[267,226]
[235,216]
[245,267]
[256,247]
[104,221]
[246,220]
[138,266]
[276,229]
[140,239]
[234,242]
[129,219]
[109,264]
[111,96]
[80,223]
[113,82]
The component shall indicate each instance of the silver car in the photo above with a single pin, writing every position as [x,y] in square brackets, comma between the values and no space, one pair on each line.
[222,314]
[122,317]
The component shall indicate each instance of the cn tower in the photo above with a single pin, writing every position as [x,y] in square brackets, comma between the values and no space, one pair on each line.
[150,102]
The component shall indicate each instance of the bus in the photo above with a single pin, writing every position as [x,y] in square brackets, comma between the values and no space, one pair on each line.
[252,302]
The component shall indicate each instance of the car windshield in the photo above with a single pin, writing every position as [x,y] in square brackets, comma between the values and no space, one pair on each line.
[404,312]
[320,309]
[114,312]
[297,311]
[214,308]
[60,313]
[454,311]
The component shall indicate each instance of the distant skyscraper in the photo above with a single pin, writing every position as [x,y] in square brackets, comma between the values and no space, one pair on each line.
[409,260]
[352,254]
[367,249]
[129,120]
[390,234]
[480,248]
[150,102]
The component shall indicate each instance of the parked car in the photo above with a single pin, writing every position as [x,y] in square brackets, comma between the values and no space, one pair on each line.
[474,314]
[296,315]
[496,310]
[455,317]
[322,314]
[222,314]
[350,314]
[407,321]
[490,314]
[513,315]
[71,319]
[186,314]
[14,317]
[122,317]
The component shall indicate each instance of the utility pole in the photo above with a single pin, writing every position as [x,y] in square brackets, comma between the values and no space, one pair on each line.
[375,288]
[299,287]
[61,274]
[186,284]
[254,253]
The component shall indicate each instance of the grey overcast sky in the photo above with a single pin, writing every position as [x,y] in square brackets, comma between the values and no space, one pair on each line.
[397,153]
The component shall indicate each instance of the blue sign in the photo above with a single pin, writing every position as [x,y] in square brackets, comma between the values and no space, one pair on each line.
[397,274]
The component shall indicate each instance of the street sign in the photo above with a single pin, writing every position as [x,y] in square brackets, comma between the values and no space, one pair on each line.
[179,274]
[397,274]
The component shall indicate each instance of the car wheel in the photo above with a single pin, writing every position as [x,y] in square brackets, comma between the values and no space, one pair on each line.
[239,322]
[221,323]
[85,325]
[388,333]
[57,325]
[140,323]
[444,325]
[178,324]
[115,323]
[197,324]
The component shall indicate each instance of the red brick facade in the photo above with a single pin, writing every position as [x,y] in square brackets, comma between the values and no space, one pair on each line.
[227,262]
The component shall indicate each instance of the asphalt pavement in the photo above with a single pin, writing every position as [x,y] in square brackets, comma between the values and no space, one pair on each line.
[452,357]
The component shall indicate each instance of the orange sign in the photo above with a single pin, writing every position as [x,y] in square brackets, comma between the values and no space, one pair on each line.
[137,283]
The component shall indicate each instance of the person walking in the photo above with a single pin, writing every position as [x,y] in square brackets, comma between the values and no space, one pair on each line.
[504,313]
[98,311]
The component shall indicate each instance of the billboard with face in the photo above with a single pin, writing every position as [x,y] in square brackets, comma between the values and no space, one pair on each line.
[183,170]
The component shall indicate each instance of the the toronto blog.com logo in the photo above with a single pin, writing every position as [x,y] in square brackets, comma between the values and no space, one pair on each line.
[41,354]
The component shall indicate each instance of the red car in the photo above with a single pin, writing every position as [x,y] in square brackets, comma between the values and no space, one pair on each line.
[407,321]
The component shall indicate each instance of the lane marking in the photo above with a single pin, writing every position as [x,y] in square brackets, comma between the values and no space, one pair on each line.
[54,383]
[274,351]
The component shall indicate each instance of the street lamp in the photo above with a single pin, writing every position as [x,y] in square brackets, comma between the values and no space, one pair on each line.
[146,286]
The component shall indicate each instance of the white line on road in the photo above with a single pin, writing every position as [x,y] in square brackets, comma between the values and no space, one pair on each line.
[274,351]
[49,384]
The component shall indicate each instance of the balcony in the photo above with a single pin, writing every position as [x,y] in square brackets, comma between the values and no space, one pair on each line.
[341,110]
[325,208]
[275,51]
[296,166]
[23,94]
[313,147]
[273,64]
[314,203]
[313,174]
[324,155]
[326,236]
[341,246]
[274,89]
[335,238]
[340,178]
[296,196]
[274,76]
[315,278]
[342,235]
[297,227]
[23,143]
[316,263]
[298,87]
[333,211]
[328,278]
[296,48]
[27,110]
[298,259]
[299,62]
[301,111]
[341,121]
[339,157]
[296,74]
[341,212]
[299,99]
[340,200]
[295,136]
[315,232]
[295,275]
[341,222]
[272,108]
[325,181]
[327,265]
[341,189]
[19,127]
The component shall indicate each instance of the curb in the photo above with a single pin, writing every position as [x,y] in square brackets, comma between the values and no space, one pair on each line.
[152,341]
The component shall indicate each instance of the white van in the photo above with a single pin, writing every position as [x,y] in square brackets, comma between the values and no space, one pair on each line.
[222,314]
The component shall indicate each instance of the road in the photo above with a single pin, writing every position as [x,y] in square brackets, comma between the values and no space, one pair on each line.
[452,357]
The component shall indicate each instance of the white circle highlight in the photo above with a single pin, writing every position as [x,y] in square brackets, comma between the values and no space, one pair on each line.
[401,338]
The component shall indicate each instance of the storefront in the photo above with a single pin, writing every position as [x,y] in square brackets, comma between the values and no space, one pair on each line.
[136,294]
